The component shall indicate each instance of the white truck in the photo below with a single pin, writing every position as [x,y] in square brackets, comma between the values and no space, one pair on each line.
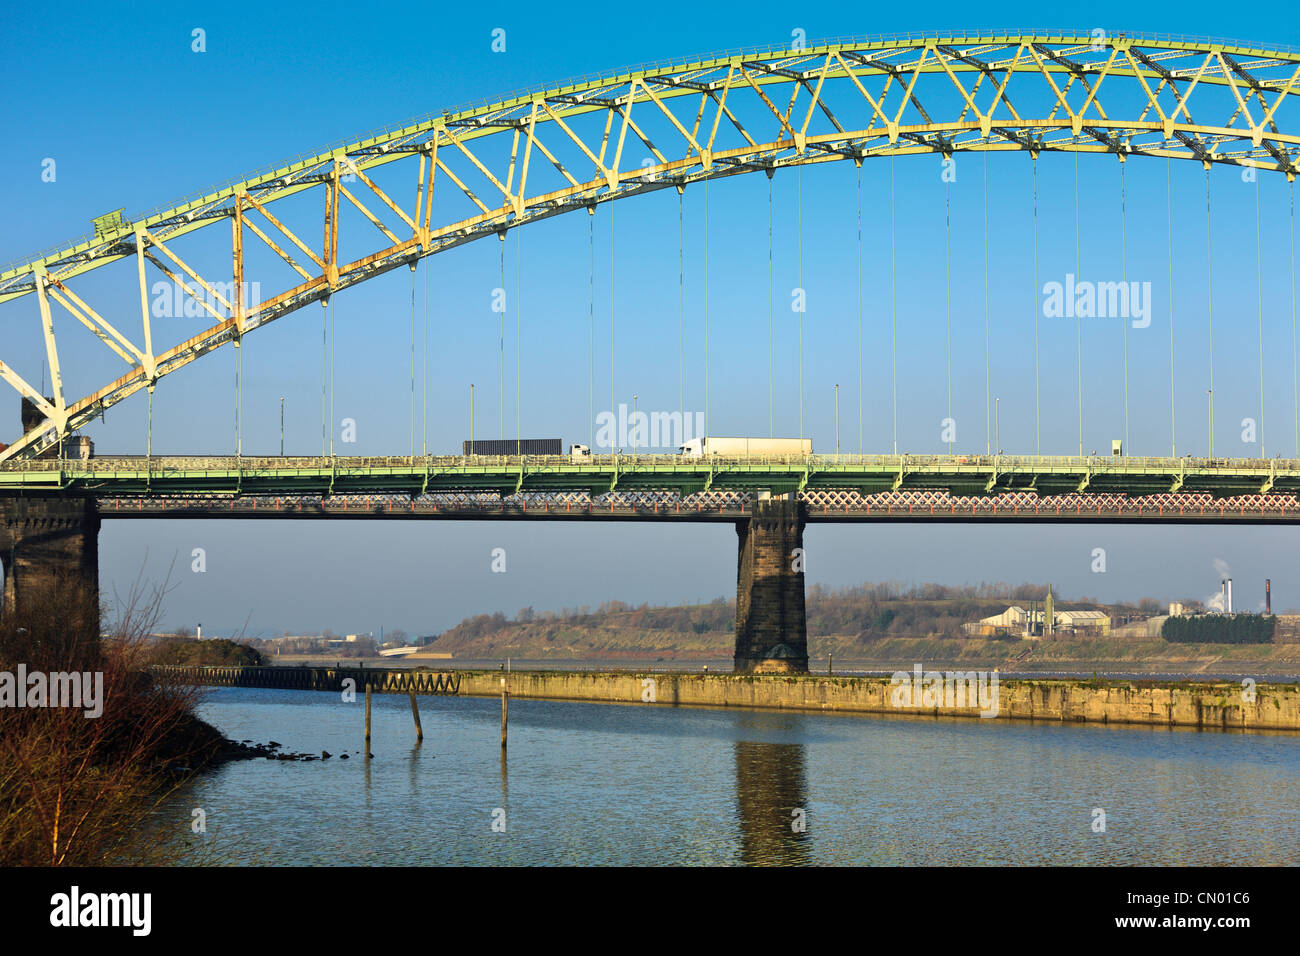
[744,447]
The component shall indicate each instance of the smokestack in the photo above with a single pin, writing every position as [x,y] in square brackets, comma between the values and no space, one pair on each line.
[1223,595]
[1268,596]
[1229,595]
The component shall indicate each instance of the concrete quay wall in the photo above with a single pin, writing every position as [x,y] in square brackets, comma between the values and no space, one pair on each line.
[1209,705]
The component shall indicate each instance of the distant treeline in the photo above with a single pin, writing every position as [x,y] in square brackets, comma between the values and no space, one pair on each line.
[984,591]
[1220,629]
[868,611]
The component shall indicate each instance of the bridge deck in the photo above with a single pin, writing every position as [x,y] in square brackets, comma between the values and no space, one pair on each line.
[962,475]
[676,488]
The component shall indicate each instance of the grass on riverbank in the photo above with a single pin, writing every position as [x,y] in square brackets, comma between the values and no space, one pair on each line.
[1064,653]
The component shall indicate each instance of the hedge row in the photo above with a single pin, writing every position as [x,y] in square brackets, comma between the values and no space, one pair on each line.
[1220,629]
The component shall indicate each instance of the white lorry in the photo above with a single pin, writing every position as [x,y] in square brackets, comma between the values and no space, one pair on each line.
[744,447]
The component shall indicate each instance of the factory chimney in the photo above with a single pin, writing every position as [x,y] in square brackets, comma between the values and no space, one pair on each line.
[1268,596]
[1229,595]
[1223,595]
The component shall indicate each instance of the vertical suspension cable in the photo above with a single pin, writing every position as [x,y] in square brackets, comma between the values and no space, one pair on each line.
[1209,302]
[518,340]
[426,355]
[324,366]
[1259,278]
[1038,431]
[1078,318]
[803,292]
[1295,376]
[611,308]
[1123,245]
[861,447]
[1169,213]
[771,320]
[988,381]
[893,305]
[706,307]
[681,304]
[501,344]
[947,279]
[591,328]
[412,362]
[239,358]
[333,352]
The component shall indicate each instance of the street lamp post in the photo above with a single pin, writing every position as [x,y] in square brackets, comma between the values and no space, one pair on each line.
[837,422]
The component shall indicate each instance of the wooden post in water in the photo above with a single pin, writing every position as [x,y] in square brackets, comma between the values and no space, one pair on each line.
[505,711]
[415,712]
[367,720]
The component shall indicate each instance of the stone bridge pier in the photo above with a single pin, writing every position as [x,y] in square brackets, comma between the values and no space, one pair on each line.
[46,542]
[771,627]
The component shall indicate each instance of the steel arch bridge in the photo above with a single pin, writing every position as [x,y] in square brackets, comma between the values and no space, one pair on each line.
[485,169]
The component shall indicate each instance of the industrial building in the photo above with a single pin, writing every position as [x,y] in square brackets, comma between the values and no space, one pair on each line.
[1039,621]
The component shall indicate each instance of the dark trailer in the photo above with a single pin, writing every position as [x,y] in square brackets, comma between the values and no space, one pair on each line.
[514,446]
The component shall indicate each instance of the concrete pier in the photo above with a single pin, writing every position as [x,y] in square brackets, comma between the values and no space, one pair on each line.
[771,626]
[47,544]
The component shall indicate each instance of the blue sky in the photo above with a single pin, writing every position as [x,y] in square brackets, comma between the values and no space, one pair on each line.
[134,118]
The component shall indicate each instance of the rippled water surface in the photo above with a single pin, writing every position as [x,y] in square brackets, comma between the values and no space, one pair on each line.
[616,784]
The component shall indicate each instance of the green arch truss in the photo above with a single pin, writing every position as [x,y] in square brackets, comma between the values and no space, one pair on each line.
[483,170]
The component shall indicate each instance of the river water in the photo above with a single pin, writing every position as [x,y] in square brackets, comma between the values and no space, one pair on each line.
[625,784]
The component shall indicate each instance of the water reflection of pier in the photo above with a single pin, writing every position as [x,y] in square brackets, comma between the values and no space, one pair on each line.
[770,788]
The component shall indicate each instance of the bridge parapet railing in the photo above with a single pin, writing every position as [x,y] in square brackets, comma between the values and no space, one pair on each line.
[246,465]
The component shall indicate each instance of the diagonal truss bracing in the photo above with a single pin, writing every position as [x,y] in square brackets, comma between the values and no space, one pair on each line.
[484,170]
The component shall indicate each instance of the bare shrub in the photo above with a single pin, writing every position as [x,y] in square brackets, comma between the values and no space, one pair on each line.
[76,790]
